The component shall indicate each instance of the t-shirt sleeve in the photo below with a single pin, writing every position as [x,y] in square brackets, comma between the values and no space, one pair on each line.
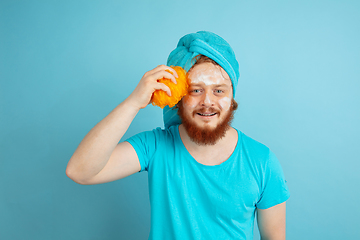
[145,145]
[275,190]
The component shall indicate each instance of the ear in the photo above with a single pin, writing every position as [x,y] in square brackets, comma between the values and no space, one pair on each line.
[179,103]
[234,104]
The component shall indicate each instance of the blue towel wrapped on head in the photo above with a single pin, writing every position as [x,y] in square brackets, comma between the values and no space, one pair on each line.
[204,43]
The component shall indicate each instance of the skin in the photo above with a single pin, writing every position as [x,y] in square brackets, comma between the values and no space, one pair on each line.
[204,92]
[225,103]
[209,86]
[272,222]
[99,157]
[213,75]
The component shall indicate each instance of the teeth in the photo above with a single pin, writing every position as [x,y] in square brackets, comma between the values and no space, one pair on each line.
[210,114]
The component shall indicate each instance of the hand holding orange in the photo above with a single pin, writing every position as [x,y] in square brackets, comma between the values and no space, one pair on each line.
[161,99]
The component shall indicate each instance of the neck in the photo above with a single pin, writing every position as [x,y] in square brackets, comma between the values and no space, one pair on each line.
[210,154]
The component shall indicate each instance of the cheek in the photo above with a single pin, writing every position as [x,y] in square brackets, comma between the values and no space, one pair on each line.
[225,103]
[190,102]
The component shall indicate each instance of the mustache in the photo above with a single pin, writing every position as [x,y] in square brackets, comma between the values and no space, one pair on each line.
[205,109]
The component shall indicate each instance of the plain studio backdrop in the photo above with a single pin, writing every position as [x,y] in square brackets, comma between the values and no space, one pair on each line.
[64,65]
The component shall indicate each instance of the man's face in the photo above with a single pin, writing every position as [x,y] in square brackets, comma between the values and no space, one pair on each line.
[206,110]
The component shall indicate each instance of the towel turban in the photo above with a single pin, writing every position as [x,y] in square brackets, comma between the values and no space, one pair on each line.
[204,43]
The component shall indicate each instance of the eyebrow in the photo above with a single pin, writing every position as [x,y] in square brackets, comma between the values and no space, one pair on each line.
[221,85]
[201,84]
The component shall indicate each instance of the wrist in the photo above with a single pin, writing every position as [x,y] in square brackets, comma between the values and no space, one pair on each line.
[132,104]
[136,102]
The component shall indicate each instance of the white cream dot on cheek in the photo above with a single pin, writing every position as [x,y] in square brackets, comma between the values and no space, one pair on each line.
[225,103]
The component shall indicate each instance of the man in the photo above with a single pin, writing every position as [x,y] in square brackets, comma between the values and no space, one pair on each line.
[206,179]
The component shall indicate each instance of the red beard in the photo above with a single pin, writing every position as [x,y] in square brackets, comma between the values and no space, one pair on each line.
[205,135]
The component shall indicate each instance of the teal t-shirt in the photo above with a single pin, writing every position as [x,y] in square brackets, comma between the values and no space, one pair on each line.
[190,200]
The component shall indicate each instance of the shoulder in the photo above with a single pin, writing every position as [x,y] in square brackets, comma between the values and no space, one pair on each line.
[157,134]
[258,154]
[151,144]
[252,147]
[167,133]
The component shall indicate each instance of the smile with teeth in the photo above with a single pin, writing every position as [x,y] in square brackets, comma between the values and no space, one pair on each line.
[206,114]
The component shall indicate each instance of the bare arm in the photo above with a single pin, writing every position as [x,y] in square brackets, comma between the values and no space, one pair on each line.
[272,222]
[99,158]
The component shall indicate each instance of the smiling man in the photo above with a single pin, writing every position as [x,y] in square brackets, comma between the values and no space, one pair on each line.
[207,180]
[209,106]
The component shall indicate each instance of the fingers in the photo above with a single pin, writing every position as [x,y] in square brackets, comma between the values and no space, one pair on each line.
[163,74]
[161,71]
[162,86]
[149,83]
[151,80]
[164,67]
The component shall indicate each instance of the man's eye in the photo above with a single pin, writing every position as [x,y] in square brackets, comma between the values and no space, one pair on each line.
[196,90]
[219,91]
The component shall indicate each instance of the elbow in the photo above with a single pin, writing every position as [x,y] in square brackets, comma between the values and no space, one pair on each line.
[73,176]
[70,174]
[78,179]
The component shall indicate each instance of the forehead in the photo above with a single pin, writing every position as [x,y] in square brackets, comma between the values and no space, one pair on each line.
[208,74]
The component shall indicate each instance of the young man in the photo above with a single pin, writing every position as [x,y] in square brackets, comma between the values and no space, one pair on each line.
[206,179]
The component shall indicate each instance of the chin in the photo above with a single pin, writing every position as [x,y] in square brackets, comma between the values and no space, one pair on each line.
[206,126]
[205,133]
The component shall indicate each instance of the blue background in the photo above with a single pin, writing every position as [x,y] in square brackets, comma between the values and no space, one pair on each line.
[64,65]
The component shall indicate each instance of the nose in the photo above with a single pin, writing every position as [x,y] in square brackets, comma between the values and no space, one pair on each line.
[207,100]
